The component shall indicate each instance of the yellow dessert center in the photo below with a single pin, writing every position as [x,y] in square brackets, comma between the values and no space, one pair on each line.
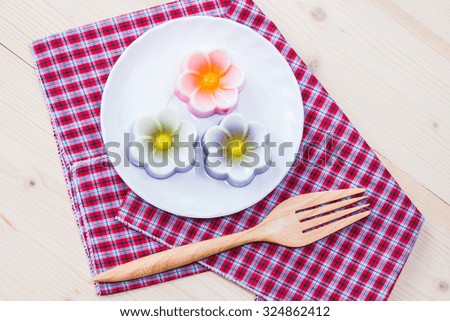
[163,141]
[236,148]
[210,81]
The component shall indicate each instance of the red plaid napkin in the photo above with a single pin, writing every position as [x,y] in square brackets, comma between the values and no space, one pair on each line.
[361,262]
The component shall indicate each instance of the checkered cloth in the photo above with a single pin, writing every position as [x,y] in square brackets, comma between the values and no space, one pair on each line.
[361,262]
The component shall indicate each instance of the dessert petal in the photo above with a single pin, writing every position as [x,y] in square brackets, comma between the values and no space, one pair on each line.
[235,124]
[169,121]
[160,165]
[196,62]
[202,104]
[220,61]
[216,134]
[186,84]
[145,126]
[139,150]
[187,134]
[225,98]
[233,78]
[256,132]
[259,159]
[183,158]
[216,166]
[239,175]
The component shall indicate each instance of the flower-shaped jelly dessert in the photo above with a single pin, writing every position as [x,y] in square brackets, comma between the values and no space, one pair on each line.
[209,83]
[235,150]
[163,145]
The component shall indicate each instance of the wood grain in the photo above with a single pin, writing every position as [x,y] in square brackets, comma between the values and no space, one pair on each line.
[386,62]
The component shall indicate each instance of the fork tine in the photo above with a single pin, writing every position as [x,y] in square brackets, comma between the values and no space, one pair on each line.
[328,229]
[329,208]
[330,217]
[331,196]
[299,202]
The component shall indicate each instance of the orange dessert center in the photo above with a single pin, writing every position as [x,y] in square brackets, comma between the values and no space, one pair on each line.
[209,81]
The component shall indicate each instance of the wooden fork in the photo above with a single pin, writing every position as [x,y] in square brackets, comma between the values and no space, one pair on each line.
[292,223]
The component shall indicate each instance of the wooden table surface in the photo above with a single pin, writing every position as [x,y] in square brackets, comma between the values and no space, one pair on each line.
[386,63]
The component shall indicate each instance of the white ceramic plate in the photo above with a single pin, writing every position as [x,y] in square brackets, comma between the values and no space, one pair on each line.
[141,83]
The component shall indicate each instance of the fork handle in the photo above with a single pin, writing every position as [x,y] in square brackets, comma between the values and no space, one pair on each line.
[176,257]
